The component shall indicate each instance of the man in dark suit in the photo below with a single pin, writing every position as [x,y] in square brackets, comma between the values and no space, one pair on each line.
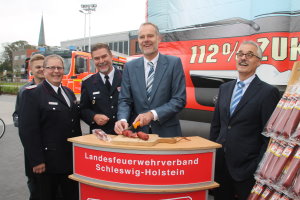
[100,92]
[242,110]
[49,115]
[153,88]
[36,68]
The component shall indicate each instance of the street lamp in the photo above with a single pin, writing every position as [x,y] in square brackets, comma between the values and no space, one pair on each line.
[84,36]
[87,10]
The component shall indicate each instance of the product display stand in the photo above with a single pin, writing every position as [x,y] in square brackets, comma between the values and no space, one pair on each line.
[183,170]
[278,174]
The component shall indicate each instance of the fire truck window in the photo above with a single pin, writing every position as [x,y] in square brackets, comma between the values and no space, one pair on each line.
[80,65]
[67,65]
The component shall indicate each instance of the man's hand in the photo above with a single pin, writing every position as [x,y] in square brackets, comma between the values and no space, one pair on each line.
[120,126]
[41,168]
[101,119]
[144,118]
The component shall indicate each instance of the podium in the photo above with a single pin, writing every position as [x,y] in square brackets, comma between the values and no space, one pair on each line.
[107,171]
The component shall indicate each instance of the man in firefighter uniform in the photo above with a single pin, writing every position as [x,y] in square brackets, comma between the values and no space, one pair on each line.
[48,116]
[99,93]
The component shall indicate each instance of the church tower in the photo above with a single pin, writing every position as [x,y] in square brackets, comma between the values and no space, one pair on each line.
[42,42]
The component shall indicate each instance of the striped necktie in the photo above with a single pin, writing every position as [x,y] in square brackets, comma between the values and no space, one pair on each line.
[150,79]
[237,96]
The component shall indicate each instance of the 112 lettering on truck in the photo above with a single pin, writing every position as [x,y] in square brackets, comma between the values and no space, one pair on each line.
[206,36]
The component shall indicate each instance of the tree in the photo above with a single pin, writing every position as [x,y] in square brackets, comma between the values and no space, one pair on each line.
[7,55]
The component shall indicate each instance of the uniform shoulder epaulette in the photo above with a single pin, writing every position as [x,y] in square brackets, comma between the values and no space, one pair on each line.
[31,87]
[88,76]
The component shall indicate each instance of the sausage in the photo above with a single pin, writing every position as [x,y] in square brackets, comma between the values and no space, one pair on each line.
[296,186]
[275,113]
[256,191]
[265,163]
[285,157]
[275,158]
[290,173]
[293,121]
[129,133]
[284,116]
[267,193]
[142,135]
[276,196]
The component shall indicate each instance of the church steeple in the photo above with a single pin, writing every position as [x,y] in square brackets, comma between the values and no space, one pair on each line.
[42,42]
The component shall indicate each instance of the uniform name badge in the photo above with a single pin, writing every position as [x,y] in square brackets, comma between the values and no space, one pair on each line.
[53,103]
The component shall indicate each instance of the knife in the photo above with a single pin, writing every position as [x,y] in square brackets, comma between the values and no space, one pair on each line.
[133,126]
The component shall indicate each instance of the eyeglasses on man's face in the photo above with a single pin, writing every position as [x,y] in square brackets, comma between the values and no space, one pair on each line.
[247,55]
[52,68]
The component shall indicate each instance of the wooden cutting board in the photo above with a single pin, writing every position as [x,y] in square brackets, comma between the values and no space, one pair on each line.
[153,140]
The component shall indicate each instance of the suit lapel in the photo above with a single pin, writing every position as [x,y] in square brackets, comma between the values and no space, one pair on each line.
[53,93]
[140,77]
[249,93]
[99,84]
[116,81]
[159,73]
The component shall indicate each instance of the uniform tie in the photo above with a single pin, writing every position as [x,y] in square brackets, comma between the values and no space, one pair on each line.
[61,96]
[237,96]
[107,83]
[150,79]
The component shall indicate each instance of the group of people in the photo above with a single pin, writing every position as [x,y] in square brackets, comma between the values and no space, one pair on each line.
[151,90]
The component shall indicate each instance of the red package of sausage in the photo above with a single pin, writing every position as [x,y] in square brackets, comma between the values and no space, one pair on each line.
[292,122]
[290,172]
[285,197]
[296,186]
[267,193]
[275,158]
[266,161]
[275,115]
[284,158]
[284,116]
[296,135]
[276,196]
[256,191]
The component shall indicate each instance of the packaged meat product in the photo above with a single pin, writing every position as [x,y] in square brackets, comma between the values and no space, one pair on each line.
[256,191]
[267,159]
[296,186]
[290,172]
[296,135]
[277,113]
[276,196]
[284,116]
[101,135]
[267,193]
[275,158]
[292,122]
[285,197]
[284,158]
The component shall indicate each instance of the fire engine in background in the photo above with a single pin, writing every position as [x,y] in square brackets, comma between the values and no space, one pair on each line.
[78,65]
[207,34]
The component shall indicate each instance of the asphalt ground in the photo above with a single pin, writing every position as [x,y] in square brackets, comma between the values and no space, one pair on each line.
[12,174]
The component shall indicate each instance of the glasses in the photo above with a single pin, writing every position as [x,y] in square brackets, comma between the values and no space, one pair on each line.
[247,55]
[52,68]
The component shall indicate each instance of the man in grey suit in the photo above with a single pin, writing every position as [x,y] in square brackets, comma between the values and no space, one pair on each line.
[152,89]
[242,110]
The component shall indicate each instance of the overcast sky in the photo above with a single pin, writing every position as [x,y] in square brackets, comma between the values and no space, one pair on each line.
[20,19]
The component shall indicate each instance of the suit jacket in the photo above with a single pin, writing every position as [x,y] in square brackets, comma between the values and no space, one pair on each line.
[96,99]
[46,122]
[240,134]
[168,95]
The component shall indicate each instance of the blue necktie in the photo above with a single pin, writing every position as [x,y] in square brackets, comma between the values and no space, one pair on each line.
[150,79]
[237,96]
